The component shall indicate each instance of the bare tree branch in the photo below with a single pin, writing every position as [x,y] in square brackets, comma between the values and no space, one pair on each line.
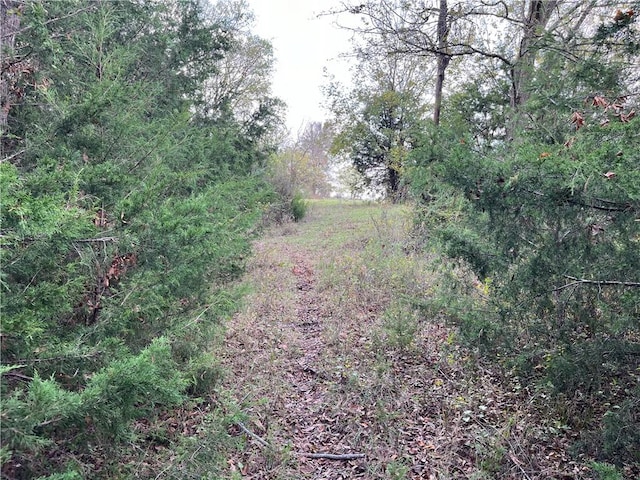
[599,283]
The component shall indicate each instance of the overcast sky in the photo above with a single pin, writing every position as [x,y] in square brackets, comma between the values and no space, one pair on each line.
[303,46]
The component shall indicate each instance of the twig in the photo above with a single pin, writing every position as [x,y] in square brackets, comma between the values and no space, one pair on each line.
[102,239]
[516,462]
[332,456]
[600,283]
[327,456]
[51,20]
[6,159]
[18,375]
[196,452]
[56,359]
[258,439]
[49,422]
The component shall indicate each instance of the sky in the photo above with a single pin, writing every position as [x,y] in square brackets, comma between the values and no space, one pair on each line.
[303,45]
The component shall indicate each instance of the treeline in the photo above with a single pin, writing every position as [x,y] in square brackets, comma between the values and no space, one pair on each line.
[133,134]
[513,126]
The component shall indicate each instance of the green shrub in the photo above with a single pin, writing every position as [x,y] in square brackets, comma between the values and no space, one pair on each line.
[298,207]
[606,471]
[554,226]
[401,326]
[132,387]
[621,430]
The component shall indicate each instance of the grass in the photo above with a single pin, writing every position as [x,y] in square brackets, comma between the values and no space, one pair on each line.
[331,355]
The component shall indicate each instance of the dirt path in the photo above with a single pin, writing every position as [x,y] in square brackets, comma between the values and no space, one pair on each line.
[328,357]
[284,368]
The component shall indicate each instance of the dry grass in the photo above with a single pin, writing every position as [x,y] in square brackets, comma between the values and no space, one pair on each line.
[329,357]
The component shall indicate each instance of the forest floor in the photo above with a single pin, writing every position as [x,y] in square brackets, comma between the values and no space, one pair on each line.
[329,357]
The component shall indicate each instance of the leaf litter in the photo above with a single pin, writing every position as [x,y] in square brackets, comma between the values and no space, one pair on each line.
[311,365]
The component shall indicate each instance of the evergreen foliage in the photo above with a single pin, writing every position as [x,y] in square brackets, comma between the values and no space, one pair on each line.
[545,224]
[126,216]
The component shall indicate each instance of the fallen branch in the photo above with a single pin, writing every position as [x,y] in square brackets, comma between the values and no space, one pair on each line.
[258,439]
[332,456]
[18,375]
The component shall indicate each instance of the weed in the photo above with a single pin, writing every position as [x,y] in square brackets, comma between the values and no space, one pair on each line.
[400,325]
[298,207]
[605,471]
[397,470]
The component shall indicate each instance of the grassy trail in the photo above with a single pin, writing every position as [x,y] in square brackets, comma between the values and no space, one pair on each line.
[330,357]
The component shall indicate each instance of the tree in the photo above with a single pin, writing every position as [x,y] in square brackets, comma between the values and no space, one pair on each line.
[375,121]
[241,83]
[547,223]
[303,165]
[380,140]
[315,141]
[10,21]
[124,220]
[470,29]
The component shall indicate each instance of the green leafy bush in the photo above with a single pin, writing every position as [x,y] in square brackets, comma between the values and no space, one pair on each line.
[298,207]
[621,430]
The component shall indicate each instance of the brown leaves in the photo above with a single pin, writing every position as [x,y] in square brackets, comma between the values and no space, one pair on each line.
[100,220]
[578,120]
[599,102]
[596,229]
[118,267]
[621,16]
[625,118]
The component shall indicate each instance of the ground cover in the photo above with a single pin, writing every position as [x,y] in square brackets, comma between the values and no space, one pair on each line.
[331,357]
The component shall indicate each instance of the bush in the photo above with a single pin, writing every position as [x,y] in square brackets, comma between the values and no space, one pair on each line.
[621,431]
[298,207]
[131,388]
[554,227]
[606,471]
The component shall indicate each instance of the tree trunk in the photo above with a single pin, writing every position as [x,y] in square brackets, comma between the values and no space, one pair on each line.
[9,25]
[393,186]
[534,23]
[442,59]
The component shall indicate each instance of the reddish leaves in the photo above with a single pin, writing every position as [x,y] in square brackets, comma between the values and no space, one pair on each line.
[621,16]
[625,118]
[118,267]
[598,101]
[577,119]
[100,220]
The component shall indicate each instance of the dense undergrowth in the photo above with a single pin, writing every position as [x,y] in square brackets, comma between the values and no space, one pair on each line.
[548,236]
[128,207]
